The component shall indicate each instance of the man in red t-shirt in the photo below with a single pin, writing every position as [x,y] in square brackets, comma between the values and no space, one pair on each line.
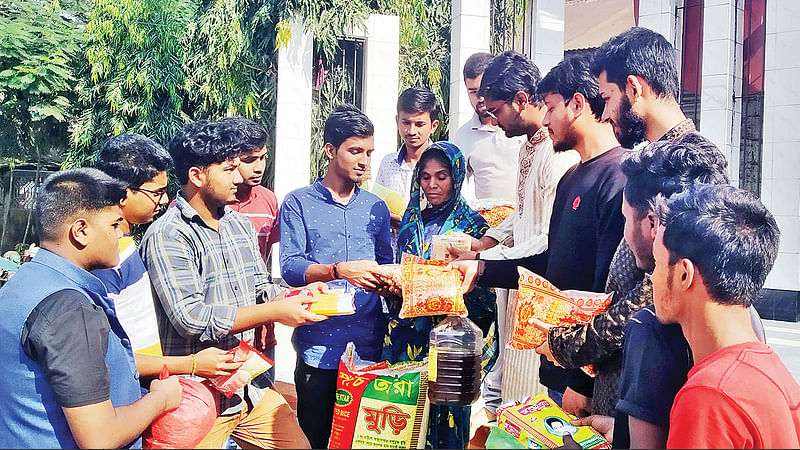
[714,247]
[258,203]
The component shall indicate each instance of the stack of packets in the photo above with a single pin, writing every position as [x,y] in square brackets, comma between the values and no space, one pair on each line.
[254,365]
[537,422]
[538,298]
[493,211]
[442,242]
[335,302]
[379,405]
[430,288]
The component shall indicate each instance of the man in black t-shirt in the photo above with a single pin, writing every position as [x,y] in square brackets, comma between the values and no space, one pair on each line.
[586,224]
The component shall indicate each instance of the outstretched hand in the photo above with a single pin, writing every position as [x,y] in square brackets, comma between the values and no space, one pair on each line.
[213,362]
[469,269]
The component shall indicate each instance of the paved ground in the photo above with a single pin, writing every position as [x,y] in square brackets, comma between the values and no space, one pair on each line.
[784,338]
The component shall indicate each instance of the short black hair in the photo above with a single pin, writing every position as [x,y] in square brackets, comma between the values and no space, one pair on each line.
[570,76]
[418,100]
[252,136]
[133,159]
[509,73]
[344,122]
[68,193]
[666,167]
[476,64]
[201,144]
[727,233]
[641,52]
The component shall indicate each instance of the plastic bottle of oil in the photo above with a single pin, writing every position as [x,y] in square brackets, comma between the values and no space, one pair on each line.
[454,362]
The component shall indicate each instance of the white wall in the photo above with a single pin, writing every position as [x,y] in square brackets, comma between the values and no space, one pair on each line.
[547,34]
[780,189]
[469,34]
[293,113]
[381,81]
[720,102]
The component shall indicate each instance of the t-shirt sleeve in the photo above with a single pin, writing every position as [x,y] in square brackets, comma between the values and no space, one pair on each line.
[651,377]
[68,337]
[703,417]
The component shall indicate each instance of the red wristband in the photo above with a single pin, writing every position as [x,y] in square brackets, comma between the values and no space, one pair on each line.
[332,271]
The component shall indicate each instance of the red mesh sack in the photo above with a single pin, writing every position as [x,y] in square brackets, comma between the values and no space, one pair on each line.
[186,425]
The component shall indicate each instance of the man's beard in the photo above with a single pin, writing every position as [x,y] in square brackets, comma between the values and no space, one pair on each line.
[568,143]
[631,126]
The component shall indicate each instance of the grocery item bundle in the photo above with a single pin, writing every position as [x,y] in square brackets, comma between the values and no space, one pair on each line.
[537,422]
[379,405]
[493,211]
[254,365]
[394,200]
[538,298]
[430,288]
[189,423]
[442,242]
[335,302]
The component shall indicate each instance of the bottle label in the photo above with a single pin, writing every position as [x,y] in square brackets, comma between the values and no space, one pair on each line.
[432,364]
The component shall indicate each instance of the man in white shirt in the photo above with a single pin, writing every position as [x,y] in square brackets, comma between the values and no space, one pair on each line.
[491,156]
[509,88]
[417,119]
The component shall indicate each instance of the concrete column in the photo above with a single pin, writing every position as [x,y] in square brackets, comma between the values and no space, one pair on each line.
[381,81]
[547,33]
[780,189]
[469,34]
[720,102]
[293,113]
[662,16]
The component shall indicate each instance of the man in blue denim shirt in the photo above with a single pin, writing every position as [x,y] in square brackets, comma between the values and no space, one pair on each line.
[333,231]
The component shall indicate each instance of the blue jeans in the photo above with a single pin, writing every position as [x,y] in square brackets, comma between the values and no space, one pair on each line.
[555,395]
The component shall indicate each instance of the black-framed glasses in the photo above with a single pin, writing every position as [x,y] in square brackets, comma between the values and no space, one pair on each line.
[159,193]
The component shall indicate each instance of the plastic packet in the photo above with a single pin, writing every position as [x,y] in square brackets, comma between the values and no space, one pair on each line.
[335,302]
[430,288]
[538,298]
[254,365]
[441,243]
[493,211]
[379,405]
[186,425]
[538,422]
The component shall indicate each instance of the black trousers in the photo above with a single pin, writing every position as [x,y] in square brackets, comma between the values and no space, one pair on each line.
[316,394]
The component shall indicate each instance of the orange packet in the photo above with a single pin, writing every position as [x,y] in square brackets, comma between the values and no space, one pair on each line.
[430,288]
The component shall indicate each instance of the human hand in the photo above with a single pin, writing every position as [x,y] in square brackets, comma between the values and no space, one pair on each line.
[469,269]
[461,255]
[576,404]
[213,362]
[359,273]
[394,221]
[544,349]
[602,424]
[293,311]
[170,390]
[317,287]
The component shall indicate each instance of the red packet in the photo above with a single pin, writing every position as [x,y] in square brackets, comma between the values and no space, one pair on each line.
[254,365]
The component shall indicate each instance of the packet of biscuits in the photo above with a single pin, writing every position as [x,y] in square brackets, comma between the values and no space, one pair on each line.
[538,298]
[430,288]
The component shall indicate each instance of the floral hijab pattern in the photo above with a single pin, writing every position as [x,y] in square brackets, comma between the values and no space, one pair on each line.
[454,215]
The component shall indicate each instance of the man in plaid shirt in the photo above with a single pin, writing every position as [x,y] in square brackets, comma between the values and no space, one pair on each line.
[212,287]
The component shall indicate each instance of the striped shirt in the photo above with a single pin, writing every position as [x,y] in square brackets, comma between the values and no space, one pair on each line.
[262,209]
[200,277]
[128,287]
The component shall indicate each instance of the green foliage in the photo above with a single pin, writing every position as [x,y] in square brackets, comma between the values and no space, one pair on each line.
[133,80]
[425,49]
[37,81]
[337,84]
[507,18]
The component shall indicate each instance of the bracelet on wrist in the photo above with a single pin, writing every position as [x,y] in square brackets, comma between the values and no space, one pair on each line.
[332,271]
[335,271]
[194,364]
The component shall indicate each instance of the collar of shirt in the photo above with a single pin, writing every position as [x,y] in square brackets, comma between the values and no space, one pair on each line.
[401,152]
[191,214]
[683,128]
[254,194]
[328,196]
[77,274]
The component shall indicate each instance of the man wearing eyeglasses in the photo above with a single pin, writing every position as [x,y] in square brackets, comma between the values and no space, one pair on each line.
[142,165]
[509,87]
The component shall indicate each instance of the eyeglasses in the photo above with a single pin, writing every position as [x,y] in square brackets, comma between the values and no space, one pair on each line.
[159,194]
[491,114]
